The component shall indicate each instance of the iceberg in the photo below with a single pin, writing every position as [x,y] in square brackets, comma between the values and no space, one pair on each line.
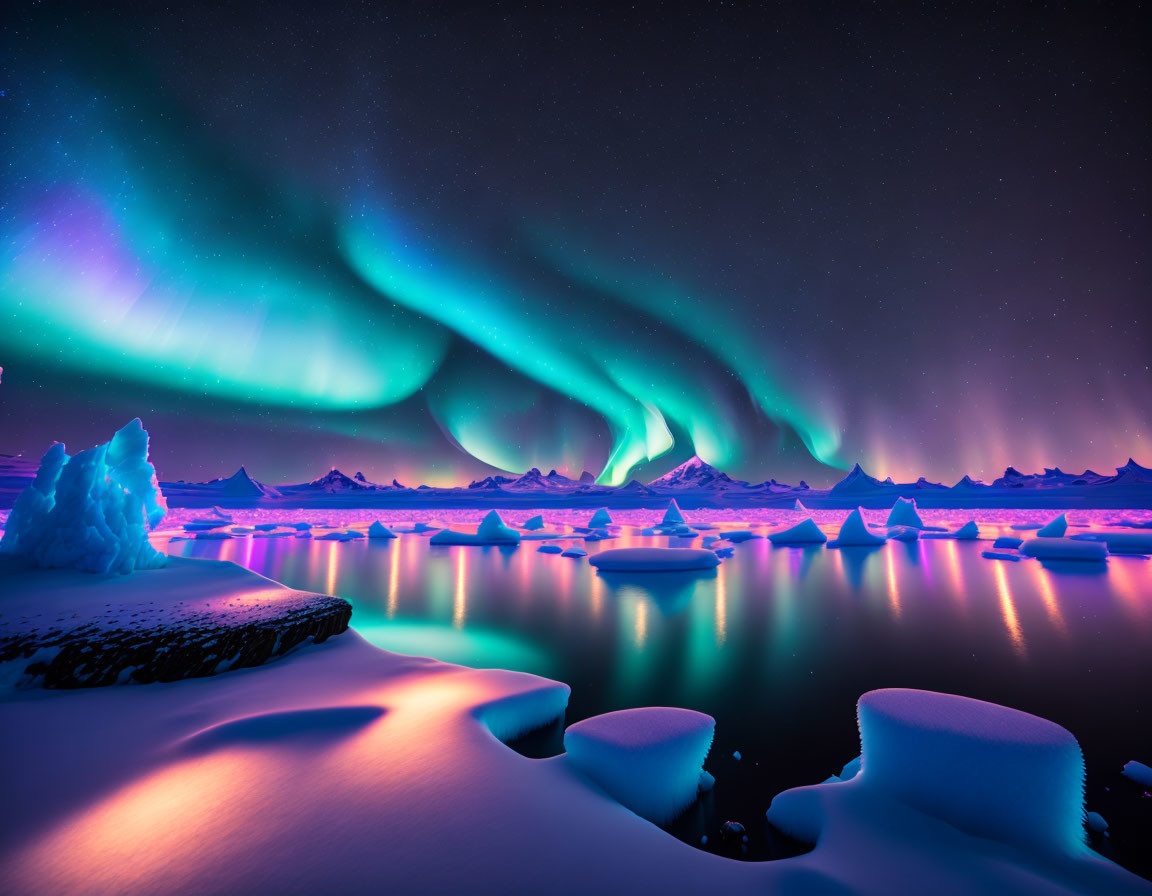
[93,511]
[650,760]
[536,522]
[854,532]
[492,530]
[574,552]
[806,532]
[672,516]
[600,519]
[549,549]
[904,513]
[1055,529]
[379,530]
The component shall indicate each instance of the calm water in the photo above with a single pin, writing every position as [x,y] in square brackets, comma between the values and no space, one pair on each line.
[776,644]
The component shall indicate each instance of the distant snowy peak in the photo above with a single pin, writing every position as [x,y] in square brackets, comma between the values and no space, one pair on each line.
[335,481]
[368,483]
[491,482]
[241,485]
[587,478]
[692,474]
[856,482]
[1132,472]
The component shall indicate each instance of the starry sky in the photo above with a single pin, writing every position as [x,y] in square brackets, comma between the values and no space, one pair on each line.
[431,242]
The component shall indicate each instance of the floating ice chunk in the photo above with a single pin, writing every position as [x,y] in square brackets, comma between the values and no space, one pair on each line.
[855,532]
[1007,541]
[600,519]
[650,760]
[968,532]
[806,532]
[706,783]
[337,536]
[204,525]
[1063,549]
[1138,772]
[491,530]
[903,513]
[213,536]
[654,559]
[903,533]
[985,769]
[672,516]
[91,512]
[574,552]
[536,522]
[1096,823]
[549,549]
[1119,542]
[999,555]
[740,535]
[543,535]
[1055,529]
[379,530]
[736,755]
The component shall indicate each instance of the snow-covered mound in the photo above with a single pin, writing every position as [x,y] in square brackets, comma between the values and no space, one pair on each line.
[854,532]
[806,532]
[649,759]
[904,513]
[654,559]
[90,512]
[492,530]
[986,769]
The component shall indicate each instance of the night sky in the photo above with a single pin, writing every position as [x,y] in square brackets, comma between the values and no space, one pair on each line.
[431,242]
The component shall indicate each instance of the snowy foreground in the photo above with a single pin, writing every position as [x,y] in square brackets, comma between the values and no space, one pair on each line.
[345,768]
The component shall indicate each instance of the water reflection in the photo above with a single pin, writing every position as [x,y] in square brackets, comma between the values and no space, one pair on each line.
[777,643]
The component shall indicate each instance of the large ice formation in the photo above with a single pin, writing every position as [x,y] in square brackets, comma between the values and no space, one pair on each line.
[92,511]
[672,516]
[648,759]
[904,513]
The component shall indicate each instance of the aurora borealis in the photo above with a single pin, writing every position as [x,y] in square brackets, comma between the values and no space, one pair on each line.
[433,243]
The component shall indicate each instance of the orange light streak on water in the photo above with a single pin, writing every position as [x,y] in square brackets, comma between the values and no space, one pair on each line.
[721,606]
[1047,596]
[893,587]
[1008,609]
[460,597]
[393,579]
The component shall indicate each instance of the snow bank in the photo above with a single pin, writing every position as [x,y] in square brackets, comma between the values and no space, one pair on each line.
[806,532]
[650,759]
[1063,549]
[904,513]
[491,530]
[1055,529]
[855,532]
[654,559]
[379,530]
[91,512]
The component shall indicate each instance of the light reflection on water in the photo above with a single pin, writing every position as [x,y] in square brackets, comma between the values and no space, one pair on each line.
[777,643]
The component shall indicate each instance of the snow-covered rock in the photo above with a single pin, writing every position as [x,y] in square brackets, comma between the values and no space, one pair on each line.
[649,759]
[654,559]
[93,511]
